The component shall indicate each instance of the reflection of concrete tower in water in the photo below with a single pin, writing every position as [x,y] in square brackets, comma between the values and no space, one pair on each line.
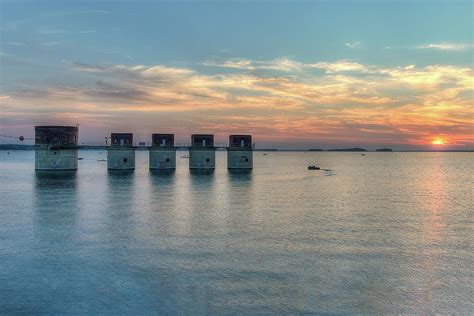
[56,147]
[162,152]
[121,153]
[239,152]
[202,153]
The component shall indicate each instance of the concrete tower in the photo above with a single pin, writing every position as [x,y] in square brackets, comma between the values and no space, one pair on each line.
[202,153]
[121,153]
[56,147]
[239,152]
[162,152]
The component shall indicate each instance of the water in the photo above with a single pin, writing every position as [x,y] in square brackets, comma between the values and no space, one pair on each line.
[381,233]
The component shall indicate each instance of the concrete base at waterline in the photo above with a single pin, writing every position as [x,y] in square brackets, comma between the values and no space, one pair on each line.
[239,159]
[202,159]
[121,158]
[162,159]
[55,159]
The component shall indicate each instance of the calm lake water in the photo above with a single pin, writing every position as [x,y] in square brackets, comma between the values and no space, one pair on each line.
[381,233]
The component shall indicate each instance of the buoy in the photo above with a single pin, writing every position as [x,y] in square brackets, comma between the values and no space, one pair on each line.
[21,138]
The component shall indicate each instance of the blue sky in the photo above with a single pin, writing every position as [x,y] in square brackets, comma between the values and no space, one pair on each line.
[51,46]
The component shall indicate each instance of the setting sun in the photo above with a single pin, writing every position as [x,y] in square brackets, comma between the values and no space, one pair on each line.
[438,141]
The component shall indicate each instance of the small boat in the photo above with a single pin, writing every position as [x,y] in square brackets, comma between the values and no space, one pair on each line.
[313,167]
[184,157]
[362,154]
[101,159]
[80,158]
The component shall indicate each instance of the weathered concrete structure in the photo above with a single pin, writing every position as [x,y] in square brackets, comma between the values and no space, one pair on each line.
[202,153]
[121,153]
[240,152]
[56,147]
[162,152]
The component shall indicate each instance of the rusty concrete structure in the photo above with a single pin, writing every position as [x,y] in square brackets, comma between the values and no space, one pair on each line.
[121,152]
[240,152]
[56,147]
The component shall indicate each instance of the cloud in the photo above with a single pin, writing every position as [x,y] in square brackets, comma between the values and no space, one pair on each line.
[231,63]
[353,44]
[49,44]
[161,71]
[285,65]
[340,66]
[447,46]
[281,64]
[347,101]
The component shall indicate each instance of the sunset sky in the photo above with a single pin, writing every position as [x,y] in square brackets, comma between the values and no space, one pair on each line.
[302,74]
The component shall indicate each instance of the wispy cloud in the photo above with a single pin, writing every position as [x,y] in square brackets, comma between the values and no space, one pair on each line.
[286,65]
[156,72]
[280,64]
[49,44]
[347,101]
[340,66]
[447,46]
[355,44]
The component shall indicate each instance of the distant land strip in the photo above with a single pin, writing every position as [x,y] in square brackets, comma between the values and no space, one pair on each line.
[355,149]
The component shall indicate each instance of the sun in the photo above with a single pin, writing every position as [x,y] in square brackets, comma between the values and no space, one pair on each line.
[438,141]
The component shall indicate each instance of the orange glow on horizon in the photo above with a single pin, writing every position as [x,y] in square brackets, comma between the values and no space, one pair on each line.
[438,141]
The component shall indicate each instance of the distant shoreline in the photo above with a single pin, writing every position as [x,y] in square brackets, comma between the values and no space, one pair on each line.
[361,150]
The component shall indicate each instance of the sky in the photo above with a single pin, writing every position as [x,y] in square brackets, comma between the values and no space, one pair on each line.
[294,74]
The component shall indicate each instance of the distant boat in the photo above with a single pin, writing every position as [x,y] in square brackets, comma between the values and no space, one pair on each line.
[184,157]
[313,167]
[362,154]
[101,159]
[80,158]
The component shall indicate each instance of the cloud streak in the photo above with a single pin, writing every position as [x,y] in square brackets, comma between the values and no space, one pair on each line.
[447,46]
[354,45]
[323,102]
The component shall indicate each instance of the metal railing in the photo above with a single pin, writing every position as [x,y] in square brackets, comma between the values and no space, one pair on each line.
[149,144]
[199,145]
